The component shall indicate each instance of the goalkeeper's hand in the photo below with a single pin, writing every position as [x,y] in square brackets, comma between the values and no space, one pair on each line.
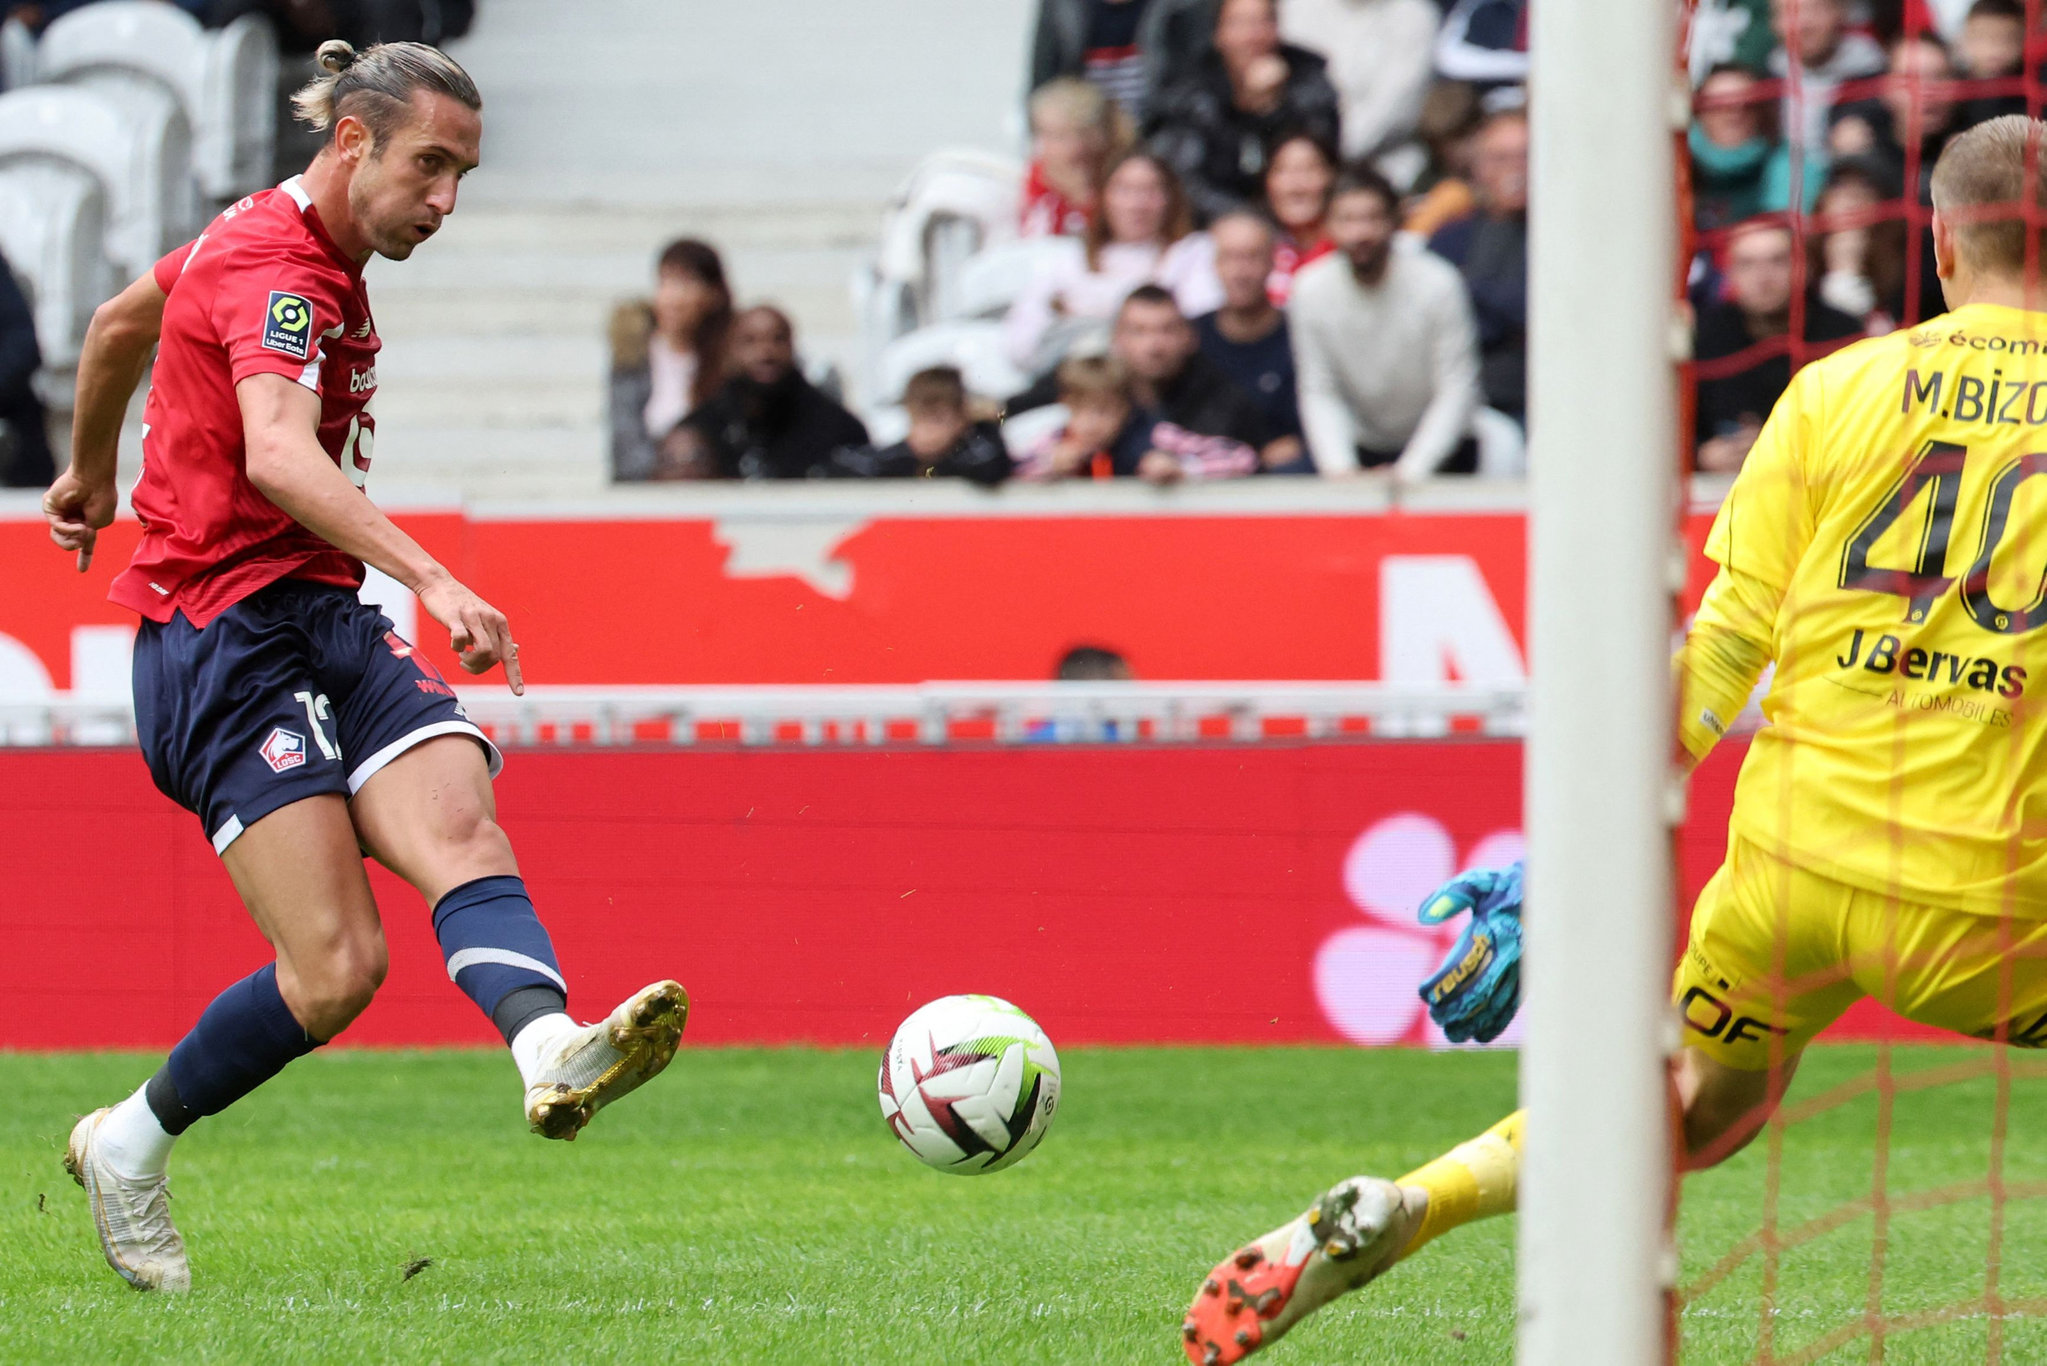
[1477,990]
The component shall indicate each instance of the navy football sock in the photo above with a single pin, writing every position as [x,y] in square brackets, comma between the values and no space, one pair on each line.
[499,953]
[241,1041]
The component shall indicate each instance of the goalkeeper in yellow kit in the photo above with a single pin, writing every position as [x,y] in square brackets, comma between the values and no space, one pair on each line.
[1886,546]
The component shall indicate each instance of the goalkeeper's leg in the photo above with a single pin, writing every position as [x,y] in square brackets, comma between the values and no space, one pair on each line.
[1360,1228]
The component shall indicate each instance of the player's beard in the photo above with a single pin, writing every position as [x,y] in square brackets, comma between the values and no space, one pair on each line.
[393,242]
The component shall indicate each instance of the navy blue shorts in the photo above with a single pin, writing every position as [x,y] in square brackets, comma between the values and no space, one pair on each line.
[296,690]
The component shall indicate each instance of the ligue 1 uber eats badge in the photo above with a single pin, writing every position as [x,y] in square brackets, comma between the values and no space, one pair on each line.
[288,325]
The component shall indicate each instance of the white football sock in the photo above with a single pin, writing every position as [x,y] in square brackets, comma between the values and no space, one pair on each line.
[534,1046]
[131,1140]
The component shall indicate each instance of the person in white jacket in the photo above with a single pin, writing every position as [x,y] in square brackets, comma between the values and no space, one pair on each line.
[1384,345]
[1381,57]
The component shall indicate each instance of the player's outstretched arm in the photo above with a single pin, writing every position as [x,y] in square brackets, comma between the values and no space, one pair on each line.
[280,424]
[1724,654]
[116,355]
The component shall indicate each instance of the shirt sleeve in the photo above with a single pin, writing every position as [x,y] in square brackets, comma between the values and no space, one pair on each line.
[167,270]
[1767,519]
[275,321]
[1724,654]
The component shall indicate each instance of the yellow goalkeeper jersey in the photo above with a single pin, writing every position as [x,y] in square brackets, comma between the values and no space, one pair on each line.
[1897,500]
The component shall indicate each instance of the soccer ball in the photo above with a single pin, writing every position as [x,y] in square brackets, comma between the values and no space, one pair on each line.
[969,1084]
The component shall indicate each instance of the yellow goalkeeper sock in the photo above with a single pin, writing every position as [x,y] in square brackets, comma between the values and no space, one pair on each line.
[1474,1180]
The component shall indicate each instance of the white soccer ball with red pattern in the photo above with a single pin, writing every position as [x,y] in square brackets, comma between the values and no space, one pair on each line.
[969,1084]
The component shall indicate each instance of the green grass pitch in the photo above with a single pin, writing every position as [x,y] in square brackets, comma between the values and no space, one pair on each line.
[750,1207]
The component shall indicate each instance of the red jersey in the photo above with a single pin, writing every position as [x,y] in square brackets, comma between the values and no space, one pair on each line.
[263,291]
[1046,212]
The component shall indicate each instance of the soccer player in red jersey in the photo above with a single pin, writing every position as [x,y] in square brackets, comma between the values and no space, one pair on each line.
[269,700]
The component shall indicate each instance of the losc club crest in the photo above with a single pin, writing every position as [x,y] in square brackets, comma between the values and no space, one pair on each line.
[284,749]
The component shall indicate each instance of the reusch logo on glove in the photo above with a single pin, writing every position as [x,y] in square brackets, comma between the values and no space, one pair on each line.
[1468,967]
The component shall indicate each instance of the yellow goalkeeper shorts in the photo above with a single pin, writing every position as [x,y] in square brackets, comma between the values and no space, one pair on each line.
[1776,953]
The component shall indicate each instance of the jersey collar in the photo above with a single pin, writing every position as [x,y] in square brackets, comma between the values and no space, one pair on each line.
[296,189]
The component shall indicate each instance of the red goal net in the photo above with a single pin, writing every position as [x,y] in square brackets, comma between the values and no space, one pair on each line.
[1890,1209]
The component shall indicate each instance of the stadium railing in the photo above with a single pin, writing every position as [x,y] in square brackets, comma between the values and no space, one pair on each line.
[939,713]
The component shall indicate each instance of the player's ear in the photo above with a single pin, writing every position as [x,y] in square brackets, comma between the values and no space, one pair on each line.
[353,139]
[1943,247]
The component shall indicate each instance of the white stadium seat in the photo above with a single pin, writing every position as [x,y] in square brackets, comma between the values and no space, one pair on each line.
[992,279]
[886,426]
[17,55]
[140,150]
[955,204]
[225,84]
[975,347]
[236,127]
[52,231]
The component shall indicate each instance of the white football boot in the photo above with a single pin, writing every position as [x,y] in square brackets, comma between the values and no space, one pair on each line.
[601,1062]
[133,1217]
[1354,1230]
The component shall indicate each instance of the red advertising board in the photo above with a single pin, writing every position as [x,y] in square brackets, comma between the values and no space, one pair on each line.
[873,597]
[1123,894]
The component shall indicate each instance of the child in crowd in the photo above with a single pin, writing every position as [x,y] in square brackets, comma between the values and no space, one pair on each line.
[945,441]
[1075,130]
[1107,434]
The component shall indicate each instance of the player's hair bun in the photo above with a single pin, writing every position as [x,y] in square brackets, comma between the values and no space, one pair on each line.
[334,56]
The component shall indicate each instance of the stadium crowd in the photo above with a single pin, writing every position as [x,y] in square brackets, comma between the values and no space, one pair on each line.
[1298,245]
[1299,234]
[1815,131]
[1289,237]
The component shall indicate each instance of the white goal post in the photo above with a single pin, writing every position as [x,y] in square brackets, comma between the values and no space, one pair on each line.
[1595,1260]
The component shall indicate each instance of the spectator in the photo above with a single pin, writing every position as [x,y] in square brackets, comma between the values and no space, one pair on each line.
[1172,380]
[303,25]
[1451,115]
[1131,49]
[1107,434]
[1730,31]
[1816,53]
[1297,196]
[1736,393]
[1092,664]
[1384,345]
[1740,168]
[1914,107]
[944,439]
[667,355]
[1490,249]
[1217,126]
[1380,55]
[1485,43]
[1992,48]
[1074,129]
[1142,236]
[1246,338]
[767,421]
[1856,250]
[24,439]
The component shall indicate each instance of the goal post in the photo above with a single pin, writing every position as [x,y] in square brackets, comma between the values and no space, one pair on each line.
[1595,1255]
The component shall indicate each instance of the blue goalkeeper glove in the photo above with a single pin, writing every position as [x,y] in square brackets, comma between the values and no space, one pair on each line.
[1477,990]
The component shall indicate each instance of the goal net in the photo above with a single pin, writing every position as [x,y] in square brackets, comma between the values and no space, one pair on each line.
[1889,1207]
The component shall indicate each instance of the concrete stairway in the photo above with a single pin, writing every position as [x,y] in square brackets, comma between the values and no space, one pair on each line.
[775,129]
